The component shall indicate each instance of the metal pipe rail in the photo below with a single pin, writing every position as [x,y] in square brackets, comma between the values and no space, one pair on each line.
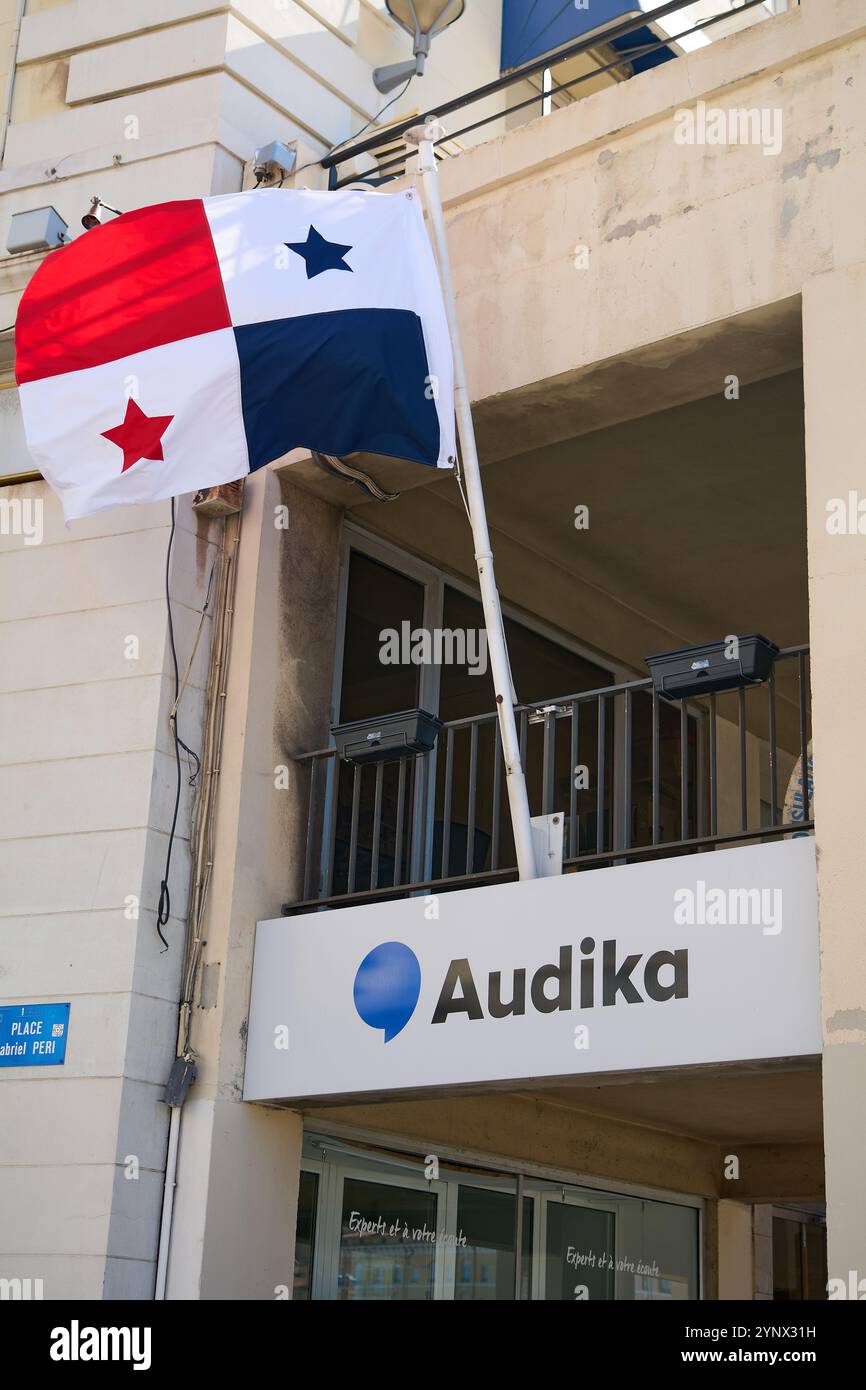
[637,776]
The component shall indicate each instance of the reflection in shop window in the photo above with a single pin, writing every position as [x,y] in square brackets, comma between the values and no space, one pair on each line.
[385,1232]
[637,1250]
[484,1266]
[661,1242]
[305,1235]
[581,1253]
[799,1257]
[387,1242]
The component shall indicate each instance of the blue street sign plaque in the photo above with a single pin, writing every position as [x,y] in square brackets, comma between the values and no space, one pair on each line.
[33,1035]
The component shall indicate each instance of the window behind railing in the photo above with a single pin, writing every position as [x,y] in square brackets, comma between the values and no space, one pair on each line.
[634,775]
[465,829]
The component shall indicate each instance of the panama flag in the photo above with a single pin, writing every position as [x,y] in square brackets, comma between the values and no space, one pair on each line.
[184,345]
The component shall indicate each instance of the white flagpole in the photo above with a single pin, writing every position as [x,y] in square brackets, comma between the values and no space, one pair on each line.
[515,782]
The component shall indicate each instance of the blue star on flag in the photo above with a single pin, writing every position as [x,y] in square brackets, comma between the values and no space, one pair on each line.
[320,255]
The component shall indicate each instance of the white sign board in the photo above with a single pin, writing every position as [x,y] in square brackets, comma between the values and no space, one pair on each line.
[705,958]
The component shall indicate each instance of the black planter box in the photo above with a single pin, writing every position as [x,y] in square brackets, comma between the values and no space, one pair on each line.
[705,669]
[393,736]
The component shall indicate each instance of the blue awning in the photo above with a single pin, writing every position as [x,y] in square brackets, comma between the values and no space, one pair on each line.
[533,28]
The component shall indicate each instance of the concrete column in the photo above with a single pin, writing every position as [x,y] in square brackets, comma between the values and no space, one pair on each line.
[735,1262]
[834,351]
[236,1201]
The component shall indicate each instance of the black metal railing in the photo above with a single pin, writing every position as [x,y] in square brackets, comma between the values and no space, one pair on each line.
[619,44]
[634,774]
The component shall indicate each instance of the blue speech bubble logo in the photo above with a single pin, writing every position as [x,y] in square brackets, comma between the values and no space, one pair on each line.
[387,986]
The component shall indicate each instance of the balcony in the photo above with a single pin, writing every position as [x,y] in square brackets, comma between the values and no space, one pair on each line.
[640,382]
[635,775]
[568,53]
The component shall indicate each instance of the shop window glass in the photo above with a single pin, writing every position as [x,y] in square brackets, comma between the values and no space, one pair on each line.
[484,1265]
[816,1262]
[305,1235]
[387,1242]
[581,1253]
[787,1265]
[397,1236]
[661,1262]
[799,1260]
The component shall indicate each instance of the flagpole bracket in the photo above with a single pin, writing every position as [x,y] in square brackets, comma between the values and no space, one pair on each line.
[431,130]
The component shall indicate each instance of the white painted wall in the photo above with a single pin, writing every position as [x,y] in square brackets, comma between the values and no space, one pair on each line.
[102,87]
[87,771]
[138,104]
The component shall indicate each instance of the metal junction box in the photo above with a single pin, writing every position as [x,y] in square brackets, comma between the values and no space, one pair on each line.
[38,229]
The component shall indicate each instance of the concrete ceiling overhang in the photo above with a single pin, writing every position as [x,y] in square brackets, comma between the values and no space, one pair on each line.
[750,1103]
[697,519]
[769,1104]
[697,528]
[676,1127]
[696,514]
[653,377]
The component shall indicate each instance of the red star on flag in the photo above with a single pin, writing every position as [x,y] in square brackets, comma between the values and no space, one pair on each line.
[139,436]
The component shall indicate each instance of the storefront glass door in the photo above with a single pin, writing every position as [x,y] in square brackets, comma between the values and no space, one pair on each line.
[393,1227]
[387,1241]
[484,1257]
[580,1251]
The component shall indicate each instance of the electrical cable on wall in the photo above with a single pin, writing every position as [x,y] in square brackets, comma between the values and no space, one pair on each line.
[355,134]
[164,908]
[202,826]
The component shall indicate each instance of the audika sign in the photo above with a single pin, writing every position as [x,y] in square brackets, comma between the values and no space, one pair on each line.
[33,1035]
[688,961]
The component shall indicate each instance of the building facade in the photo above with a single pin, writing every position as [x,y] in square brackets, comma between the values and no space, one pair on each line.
[660,273]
